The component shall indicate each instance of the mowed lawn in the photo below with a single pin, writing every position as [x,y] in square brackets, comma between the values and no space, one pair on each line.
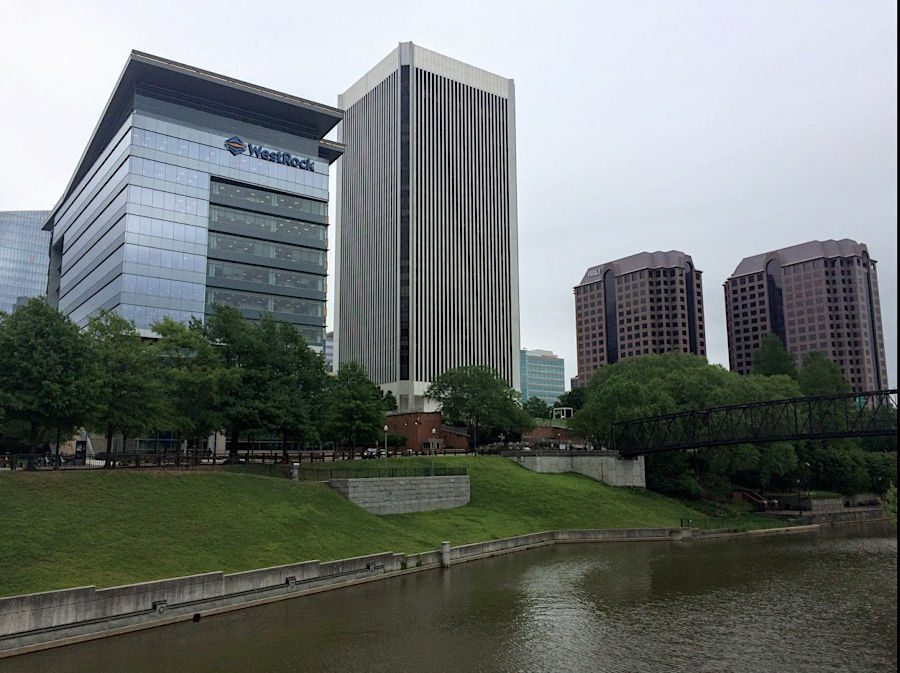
[107,528]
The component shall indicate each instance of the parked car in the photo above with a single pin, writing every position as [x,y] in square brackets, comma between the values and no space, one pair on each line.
[372,452]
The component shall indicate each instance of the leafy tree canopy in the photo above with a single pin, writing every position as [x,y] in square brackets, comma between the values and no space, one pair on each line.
[47,374]
[537,408]
[196,381]
[652,385]
[573,398]
[131,396]
[355,407]
[477,397]
[772,358]
[820,376]
[240,345]
[390,402]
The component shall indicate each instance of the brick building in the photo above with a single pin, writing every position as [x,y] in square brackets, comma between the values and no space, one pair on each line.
[646,303]
[820,295]
[417,429]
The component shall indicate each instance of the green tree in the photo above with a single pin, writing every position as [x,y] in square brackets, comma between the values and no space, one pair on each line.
[297,383]
[654,385]
[772,358]
[573,398]
[537,408]
[131,396]
[390,402]
[249,404]
[820,376]
[355,407]
[477,397]
[196,380]
[47,377]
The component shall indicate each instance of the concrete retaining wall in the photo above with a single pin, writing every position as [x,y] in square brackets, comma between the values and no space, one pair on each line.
[399,495]
[858,514]
[606,466]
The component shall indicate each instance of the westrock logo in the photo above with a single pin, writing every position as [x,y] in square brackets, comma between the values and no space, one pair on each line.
[237,146]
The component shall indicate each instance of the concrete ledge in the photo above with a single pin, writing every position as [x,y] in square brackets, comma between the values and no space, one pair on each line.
[40,621]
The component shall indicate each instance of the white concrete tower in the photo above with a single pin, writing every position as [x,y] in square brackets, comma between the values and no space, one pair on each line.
[427,233]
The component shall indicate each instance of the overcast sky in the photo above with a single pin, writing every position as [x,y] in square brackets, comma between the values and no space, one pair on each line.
[722,129]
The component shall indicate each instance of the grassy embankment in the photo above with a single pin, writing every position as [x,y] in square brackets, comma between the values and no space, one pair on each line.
[111,528]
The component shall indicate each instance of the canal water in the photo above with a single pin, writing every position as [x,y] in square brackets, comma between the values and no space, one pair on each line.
[822,602]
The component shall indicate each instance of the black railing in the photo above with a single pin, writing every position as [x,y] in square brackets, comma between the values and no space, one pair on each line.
[327,474]
[870,414]
[703,524]
[50,462]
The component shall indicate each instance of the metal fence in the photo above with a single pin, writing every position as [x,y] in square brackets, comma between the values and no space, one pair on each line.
[327,474]
[703,524]
[50,462]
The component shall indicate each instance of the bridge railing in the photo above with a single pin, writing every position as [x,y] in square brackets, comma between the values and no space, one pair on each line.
[824,417]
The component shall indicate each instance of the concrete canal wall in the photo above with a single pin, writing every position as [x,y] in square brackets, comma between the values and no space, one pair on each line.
[606,466]
[55,618]
[399,495]
[36,621]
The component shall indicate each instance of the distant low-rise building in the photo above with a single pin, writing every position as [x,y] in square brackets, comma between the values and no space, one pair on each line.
[543,375]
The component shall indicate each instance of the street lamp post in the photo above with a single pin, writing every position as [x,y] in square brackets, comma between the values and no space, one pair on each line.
[433,433]
[385,450]
[799,501]
[807,483]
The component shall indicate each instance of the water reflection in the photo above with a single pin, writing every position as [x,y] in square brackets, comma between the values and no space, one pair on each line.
[821,602]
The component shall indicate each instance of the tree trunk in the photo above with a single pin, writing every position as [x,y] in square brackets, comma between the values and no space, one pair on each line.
[33,438]
[109,447]
[233,449]
[124,439]
[284,451]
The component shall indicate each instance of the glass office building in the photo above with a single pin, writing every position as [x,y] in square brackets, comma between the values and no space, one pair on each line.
[543,376]
[195,190]
[23,256]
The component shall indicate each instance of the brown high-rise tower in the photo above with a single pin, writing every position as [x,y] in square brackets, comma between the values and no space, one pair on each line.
[821,295]
[646,303]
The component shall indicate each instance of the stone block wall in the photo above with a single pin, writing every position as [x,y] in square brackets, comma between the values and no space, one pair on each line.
[606,466]
[399,495]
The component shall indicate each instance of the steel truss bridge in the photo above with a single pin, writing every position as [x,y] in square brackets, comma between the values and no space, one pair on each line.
[870,414]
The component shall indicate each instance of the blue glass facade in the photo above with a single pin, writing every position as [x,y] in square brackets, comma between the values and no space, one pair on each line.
[171,218]
[543,376]
[23,256]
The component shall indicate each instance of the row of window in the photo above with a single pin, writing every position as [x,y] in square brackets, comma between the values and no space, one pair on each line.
[178,203]
[168,173]
[170,231]
[264,276]
[294,206]
[265,303]
[166,259]
[261,222]
[265,249]
[162,287]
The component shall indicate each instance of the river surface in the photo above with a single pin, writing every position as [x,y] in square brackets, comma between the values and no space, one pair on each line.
[820,602]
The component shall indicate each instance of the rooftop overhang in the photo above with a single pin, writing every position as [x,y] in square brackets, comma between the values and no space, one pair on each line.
[233,93]
[330,151]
